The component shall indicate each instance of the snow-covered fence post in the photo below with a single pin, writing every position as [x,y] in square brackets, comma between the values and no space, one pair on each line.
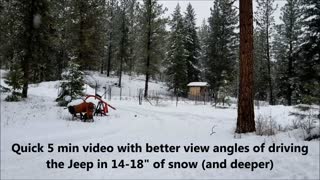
[109,93]
[120,92]
[140,96]
[105,91]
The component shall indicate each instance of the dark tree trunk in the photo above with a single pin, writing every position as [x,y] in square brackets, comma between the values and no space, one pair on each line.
[110,41]
[271,100]
[245,121]
[120,72]
[131,62]
[290,63]
[122,46]
[109,55]
[81,37]
[101,66]
[148,51]
[28,57]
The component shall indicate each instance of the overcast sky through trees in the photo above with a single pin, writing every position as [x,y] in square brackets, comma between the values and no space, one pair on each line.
[202,8]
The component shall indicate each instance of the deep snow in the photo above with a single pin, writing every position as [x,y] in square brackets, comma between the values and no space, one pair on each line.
[38,119]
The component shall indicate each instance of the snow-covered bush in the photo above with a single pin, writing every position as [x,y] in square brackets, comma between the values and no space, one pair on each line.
[265,126]
[307,120]
[14,78]
[72,85]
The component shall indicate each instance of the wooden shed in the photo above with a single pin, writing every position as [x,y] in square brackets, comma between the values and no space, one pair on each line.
[197,89]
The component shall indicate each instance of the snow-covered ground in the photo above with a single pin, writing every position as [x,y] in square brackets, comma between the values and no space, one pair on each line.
[38,120]
[130,84]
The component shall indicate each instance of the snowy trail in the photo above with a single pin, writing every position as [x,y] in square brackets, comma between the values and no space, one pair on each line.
[39,120]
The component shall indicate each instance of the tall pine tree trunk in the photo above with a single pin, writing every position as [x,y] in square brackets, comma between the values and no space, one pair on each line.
[290,63]
[28,57]
[110,40]
[81,36]
[271,100]
[122,45]
[101,66]
[148,51]
[245,121]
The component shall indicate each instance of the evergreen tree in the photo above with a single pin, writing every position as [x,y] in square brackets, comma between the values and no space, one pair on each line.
[112,5]
[261,85]
[14,78]
[286,43]
[72,85]
[191,44]
[26,35]
[309,52]
[151,40]
[281,66]
[222,51]
[84,40]
[62,36]
[123,35]
[23,43]
[177,55]
[89,41]
[6,35]
[133,35]
[265,22]
[40,68]
[203,35]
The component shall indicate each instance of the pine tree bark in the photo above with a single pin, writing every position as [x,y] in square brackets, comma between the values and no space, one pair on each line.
[147,70]
[81,36]
[110,40]
[290,67]
[122,46]
[271,100]
[28,56]
[245,120]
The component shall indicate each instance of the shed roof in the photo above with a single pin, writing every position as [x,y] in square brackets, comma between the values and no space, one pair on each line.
[198,84]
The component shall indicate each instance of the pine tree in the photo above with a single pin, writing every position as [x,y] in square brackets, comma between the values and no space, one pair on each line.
[14,78]
[260,68]
[6,35]
[281,66]
[27,37]
[112,5]
[203,35]
[72,85]
[191,44]
[90,40]
[309,52]
[123,35]
[151,40]
[177,56]
[133,36]
[265,22]
[222,51]
[286,43]
[62,36]
[24,13]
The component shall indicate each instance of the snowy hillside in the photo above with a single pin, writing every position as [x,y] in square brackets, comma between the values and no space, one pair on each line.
[38,120]
[130,85]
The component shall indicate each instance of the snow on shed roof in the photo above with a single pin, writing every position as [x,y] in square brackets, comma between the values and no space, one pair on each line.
[198,84]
